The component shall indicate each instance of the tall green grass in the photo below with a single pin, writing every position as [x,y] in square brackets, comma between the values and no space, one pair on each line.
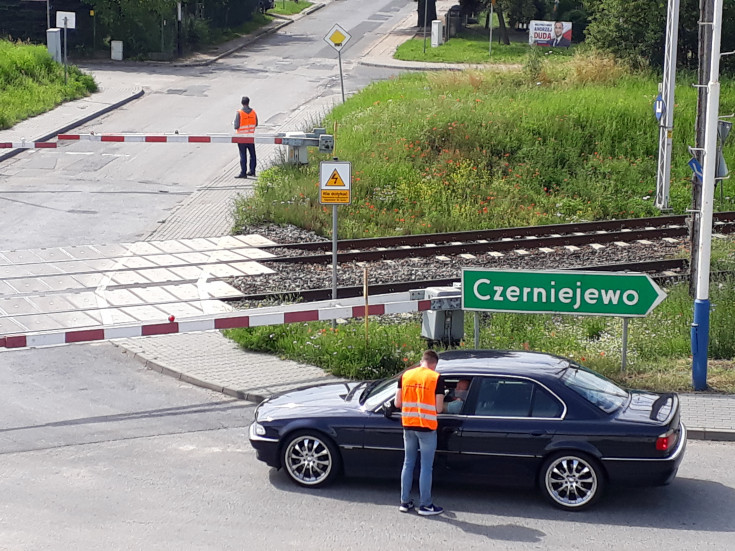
[466,150]
[658,351]
[32,83]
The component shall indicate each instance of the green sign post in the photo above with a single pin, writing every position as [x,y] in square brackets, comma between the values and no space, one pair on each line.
[623,295]
[561,292]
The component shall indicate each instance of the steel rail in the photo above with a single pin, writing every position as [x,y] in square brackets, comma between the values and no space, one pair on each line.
[503,233]
[491,246]
[310,295]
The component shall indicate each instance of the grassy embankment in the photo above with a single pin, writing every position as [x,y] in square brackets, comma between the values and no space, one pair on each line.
[32,83]
[289,7]
[457,151]
[472,45]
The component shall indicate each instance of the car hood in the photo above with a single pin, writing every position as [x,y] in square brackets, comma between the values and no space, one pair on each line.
[326,399]
[650,408]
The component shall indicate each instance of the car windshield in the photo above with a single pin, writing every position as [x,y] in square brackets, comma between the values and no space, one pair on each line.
[595,388]
[381,392]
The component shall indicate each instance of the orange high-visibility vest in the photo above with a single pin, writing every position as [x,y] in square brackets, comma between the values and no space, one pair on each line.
[418,397]
[248,122]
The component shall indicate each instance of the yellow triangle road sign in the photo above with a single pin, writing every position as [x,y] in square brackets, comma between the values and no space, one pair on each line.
[335,180]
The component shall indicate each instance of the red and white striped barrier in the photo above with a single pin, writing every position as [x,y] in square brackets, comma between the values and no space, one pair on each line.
[28,145]
[397,303]
[172,138]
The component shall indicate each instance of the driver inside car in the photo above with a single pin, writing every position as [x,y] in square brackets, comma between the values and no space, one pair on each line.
[454,401]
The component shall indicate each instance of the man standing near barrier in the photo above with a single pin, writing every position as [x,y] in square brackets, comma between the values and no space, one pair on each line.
[420,395]
[246,120]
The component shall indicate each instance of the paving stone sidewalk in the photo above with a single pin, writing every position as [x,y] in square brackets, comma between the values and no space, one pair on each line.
[209,359]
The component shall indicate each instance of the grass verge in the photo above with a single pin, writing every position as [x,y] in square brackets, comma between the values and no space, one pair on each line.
[31,82]
[289,7]
[658,346]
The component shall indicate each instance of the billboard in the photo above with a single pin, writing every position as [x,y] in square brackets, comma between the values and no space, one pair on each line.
[557,34]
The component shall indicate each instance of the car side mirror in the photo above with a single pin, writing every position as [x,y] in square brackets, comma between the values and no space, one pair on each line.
[389,408]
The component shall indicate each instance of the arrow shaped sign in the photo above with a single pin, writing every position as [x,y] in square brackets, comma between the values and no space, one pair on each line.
[560,292]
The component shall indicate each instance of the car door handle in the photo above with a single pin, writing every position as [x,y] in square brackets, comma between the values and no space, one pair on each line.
[539,433]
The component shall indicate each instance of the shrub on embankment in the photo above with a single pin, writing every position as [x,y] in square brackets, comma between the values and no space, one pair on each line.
[480,149]
[31,82]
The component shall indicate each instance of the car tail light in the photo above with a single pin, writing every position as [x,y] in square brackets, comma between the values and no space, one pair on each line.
[666,441]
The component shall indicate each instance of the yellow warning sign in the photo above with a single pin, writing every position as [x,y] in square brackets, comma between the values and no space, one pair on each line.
[337,38]
[335,180]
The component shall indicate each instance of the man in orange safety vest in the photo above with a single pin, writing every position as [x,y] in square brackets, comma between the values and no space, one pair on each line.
[420,395]
[246,120]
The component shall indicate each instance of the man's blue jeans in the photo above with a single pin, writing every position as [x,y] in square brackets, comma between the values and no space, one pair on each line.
[413,441]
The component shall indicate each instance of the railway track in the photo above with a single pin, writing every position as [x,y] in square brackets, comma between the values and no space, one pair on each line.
[662,269]
[497,240]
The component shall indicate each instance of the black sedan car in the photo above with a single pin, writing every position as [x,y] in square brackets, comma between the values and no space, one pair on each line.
[528,418]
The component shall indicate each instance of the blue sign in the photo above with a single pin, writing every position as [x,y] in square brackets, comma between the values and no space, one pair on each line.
[659,107]
[696,167]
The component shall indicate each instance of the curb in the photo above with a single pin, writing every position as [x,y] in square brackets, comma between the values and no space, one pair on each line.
[284,20]
[163,370]
[77,123]
[251,38]
[712,435]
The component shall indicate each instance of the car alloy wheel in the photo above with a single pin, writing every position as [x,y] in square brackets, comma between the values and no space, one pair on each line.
[571,481]
[310,459]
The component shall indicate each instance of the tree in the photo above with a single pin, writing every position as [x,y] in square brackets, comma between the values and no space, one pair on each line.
[634,30]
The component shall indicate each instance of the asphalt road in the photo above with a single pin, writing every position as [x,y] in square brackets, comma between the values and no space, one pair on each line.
[90,193]
[96,452]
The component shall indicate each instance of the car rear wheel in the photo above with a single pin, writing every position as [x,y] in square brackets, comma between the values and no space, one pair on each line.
[310,459]
[572,481]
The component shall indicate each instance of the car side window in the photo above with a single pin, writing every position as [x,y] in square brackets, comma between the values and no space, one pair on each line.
[498,397]
[544,404]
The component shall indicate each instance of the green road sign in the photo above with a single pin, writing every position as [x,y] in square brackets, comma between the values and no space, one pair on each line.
[549,292]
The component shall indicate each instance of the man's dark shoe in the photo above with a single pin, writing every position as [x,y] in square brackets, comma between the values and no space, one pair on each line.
[251,173]
[430,510]
[406,507]
[241,176]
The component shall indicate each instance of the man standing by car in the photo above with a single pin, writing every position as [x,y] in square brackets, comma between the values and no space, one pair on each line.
[246,120]
[420,395]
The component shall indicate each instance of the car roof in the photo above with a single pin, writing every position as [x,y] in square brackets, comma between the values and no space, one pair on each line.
[511,362]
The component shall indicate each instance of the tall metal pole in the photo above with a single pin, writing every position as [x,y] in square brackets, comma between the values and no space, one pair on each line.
[66,61]
[700,327]
[706,12]
[426,15]
[666,123]
[341,78]
[490,42]
[48,14]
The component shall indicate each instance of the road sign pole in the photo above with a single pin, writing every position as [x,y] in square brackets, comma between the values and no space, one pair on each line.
[700,326]
[334,252]
[341,78]
[477,330]
[65,57]
[624,362]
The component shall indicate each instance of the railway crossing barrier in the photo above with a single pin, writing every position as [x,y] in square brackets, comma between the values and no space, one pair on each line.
[296,142]
[392,303]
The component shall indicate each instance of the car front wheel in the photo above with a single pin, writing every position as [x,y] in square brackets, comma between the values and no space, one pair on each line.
[310,459]
[571,481]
